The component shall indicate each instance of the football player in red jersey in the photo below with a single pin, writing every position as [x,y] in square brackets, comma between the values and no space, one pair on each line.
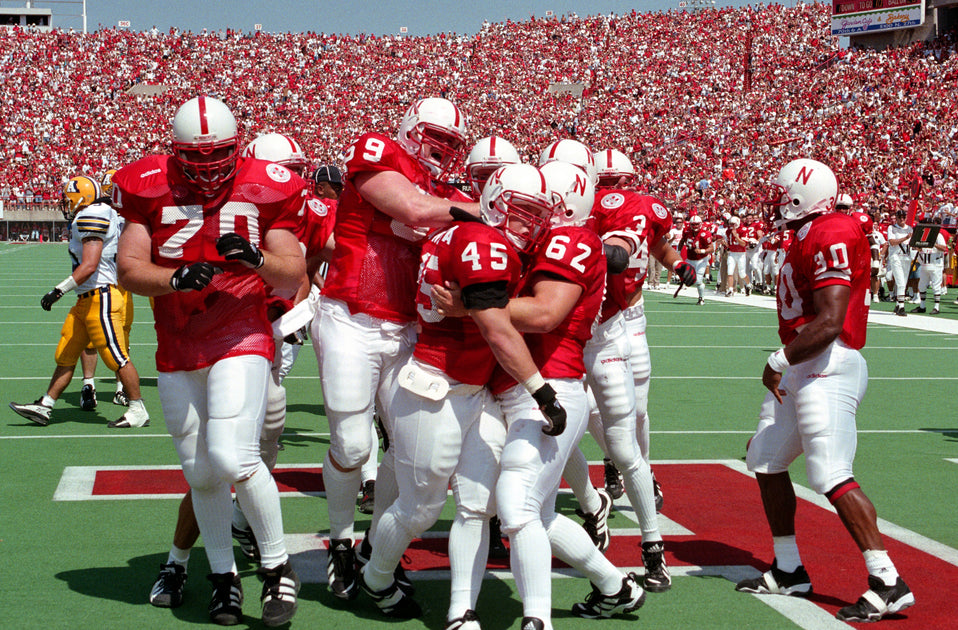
[393,194]
[439,396]
[206,232]
[815,384]
[558,305]
[699,246]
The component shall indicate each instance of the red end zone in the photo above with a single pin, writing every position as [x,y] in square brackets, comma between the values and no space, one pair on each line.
[716,502]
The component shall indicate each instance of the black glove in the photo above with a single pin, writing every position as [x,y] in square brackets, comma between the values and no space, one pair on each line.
[685,272]
[551,409]
[193,277]
[232,246]
[46,302]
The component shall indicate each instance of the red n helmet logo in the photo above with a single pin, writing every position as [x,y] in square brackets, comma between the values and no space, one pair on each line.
[805,174]
[579,186]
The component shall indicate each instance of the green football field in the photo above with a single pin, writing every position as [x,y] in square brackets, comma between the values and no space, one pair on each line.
[87,512]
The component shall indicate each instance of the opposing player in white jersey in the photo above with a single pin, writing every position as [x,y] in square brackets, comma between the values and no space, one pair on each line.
[438,398]
[815,384]
[98,316]
[366,327]
[932,264]
[900,257]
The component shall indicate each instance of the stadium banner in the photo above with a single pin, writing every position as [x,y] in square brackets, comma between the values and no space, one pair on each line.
[850,17]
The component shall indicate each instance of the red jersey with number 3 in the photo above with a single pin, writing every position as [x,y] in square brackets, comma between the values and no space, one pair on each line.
[573,254]
[373,268]
[467,253]
[642,219]
[195,329]
[829,250]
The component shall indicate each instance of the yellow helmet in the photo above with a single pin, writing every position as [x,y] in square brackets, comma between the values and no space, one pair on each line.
[78,193]
[106,184]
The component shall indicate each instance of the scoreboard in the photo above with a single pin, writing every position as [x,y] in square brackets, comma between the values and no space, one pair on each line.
[851,17]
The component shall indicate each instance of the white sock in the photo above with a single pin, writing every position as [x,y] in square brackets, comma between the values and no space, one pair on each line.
[468,553]
[260,500]
[637,480]
[48,402]
[341,490]
[386,493]
[391,541]
[89,381]
[576,474]
[119,385]
[213,508]
[881,566]
[786,552]
[239,519]
[571,544]
[531,560]
[179,556]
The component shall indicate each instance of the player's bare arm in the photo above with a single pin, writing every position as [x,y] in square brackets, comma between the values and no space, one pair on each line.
[831,304]
[135,267]
[551,301]
[393,194]
[505,341]
[283,264]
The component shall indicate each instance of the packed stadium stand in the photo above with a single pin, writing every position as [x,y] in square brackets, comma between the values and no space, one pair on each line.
[668,88]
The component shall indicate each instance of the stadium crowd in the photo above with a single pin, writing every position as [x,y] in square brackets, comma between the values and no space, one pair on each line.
[668,88]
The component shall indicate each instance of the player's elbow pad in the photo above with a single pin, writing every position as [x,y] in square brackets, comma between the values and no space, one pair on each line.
[616,258]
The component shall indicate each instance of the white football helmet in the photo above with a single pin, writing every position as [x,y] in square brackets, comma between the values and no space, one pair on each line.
[280,149]
[803,188]
[433,131]
[485,157]
[205,142]
[575,189]
[844,203]
[695,221]
[573,152]
[734,221]
[517,199]
[612,166]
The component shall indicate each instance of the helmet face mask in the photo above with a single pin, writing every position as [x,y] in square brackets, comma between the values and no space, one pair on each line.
[518,201]
[433,131]
[205,143]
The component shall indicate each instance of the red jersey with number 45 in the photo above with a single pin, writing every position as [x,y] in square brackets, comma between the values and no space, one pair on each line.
[373,268]
[467,253]
[195,329]
[573,254]
[642,219]
[831,249]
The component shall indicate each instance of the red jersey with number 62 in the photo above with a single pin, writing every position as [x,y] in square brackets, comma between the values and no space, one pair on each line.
[373,268]
[831,249]
[195,329]
[575,255]
[467,253]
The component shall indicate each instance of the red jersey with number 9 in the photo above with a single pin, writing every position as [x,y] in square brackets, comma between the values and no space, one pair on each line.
[831,249]
[195,329]
[373,268]
[467,253]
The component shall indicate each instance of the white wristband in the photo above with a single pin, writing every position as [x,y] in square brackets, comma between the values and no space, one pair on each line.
[777,361]
[534,383]
[67,285]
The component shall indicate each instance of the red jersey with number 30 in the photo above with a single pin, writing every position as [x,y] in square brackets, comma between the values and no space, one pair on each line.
[195,329]
[467,253]
[373,268]
[831,249]
[573,254]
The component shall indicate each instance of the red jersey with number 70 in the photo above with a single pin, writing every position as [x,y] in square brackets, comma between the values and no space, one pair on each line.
[829,250]
[195,329]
